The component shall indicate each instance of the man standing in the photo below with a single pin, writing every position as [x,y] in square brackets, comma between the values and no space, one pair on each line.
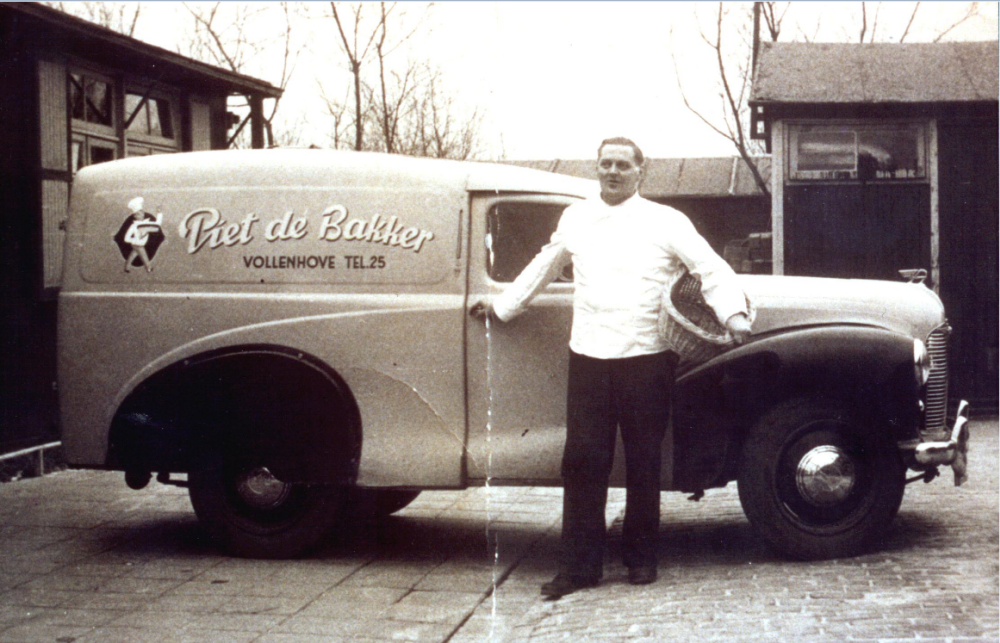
[624,248]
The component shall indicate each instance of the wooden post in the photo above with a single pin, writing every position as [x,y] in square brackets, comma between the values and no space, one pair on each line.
[256,121]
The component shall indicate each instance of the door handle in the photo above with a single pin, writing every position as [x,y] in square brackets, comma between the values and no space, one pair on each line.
[481,310]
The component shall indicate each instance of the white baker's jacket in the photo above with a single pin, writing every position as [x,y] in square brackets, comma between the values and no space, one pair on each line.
[622,256]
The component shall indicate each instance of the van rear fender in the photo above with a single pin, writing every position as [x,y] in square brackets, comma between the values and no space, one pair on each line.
[280,408]
[871,369]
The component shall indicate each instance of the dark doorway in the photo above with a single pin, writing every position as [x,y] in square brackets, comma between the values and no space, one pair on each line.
[968,254]
[856,230]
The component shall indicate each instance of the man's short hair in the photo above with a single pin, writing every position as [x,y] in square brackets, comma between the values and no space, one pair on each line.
[621,140]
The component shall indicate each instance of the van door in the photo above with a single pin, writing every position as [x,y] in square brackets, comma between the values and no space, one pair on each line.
[516,370]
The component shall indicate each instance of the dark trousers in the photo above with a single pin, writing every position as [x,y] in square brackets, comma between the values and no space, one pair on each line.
[632,393]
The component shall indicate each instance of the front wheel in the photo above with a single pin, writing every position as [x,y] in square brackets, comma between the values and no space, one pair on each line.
[817,482]
[253,514]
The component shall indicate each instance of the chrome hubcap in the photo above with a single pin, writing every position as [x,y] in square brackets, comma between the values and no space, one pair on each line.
[825,476]
[260,489]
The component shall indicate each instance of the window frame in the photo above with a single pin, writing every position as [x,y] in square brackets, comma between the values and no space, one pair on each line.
[858,128]
[87,142]
[82,124]
[544,199]
[146,139]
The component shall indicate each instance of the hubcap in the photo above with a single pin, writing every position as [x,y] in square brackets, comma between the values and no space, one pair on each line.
[825,476]
[260,489]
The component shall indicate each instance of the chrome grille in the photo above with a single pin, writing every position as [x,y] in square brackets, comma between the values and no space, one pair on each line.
[936,402]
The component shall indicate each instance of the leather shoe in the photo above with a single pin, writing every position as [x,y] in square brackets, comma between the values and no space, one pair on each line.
[642,575]
[563,584]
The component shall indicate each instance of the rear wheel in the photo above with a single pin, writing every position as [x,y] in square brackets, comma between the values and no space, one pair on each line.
[818,482]
[253,514]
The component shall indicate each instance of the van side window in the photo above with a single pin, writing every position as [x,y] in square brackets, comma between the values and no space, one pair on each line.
[517,230]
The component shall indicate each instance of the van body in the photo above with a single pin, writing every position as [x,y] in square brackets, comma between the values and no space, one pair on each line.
[291,329]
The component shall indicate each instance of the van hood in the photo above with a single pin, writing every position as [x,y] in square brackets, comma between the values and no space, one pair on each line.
[788,302]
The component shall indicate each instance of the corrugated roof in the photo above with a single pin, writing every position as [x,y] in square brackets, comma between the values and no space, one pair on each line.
[694,177]
[790,72]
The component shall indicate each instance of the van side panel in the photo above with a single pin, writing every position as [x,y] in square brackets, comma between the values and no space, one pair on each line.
[360,272]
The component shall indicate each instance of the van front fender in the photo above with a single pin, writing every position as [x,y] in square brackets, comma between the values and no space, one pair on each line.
[870,368]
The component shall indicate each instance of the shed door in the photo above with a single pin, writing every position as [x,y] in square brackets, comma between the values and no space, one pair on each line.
[857,199]
[968,206]
[861,231]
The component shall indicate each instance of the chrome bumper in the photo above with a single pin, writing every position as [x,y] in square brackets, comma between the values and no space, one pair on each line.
[952,452]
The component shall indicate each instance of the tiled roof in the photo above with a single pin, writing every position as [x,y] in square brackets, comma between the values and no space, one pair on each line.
[694,177]
[876,73]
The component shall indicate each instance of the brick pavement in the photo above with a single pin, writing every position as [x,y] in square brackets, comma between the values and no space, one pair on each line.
[935,579]
[84,559]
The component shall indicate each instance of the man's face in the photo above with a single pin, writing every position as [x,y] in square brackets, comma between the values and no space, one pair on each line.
[618,172]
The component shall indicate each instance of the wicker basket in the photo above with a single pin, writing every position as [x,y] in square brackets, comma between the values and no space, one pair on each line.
[689,325]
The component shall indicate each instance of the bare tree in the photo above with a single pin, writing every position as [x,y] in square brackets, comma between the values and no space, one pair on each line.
[910,23]
[433,126]
[734,42]
[240,36]
[735,74]
[122,17]
[357,48]
[337,109]
[368,36]
[394,103]
[971,10]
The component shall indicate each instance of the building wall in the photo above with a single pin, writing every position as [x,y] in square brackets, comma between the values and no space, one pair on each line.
[945,222]
[37,165]
[27,319]
[968,207]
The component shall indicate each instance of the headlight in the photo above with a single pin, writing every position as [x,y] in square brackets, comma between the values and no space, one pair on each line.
[922,362]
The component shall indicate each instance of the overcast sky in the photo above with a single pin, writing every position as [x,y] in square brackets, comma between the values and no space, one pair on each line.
[554,78]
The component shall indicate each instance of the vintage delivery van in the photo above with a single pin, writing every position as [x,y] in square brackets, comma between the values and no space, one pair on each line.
[292,330]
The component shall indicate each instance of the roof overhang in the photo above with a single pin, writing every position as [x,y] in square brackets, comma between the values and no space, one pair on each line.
[881,80]
[75,36]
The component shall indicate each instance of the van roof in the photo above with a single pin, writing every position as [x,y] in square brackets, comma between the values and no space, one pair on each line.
[261,168]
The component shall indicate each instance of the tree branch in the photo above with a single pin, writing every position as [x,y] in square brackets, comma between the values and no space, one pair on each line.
[970,11]
[912,16]
[864,22]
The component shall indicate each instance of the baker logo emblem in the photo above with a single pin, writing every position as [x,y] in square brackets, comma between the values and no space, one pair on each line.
[140,236]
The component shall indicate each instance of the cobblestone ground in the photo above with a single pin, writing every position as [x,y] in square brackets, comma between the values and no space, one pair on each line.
[83,559]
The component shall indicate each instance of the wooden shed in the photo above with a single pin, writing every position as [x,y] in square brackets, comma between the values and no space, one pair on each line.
[884,157]
[76,94]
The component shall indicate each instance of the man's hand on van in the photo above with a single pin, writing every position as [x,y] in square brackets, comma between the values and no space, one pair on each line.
[483,310]
[739,326]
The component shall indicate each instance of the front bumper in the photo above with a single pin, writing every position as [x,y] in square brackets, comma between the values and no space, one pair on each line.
[953,451]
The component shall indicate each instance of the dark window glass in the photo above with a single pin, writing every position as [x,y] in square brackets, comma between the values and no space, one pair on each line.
[76,96]
[517,231]
[826,151]
[159,118]
[90,100]
[101,155]
[152,118]
[140,121]
[98,102]
[858,152]
[892,154]
[77,155]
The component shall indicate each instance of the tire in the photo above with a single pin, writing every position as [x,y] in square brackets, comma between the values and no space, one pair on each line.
[252,514]
[378,503]
[818,482]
